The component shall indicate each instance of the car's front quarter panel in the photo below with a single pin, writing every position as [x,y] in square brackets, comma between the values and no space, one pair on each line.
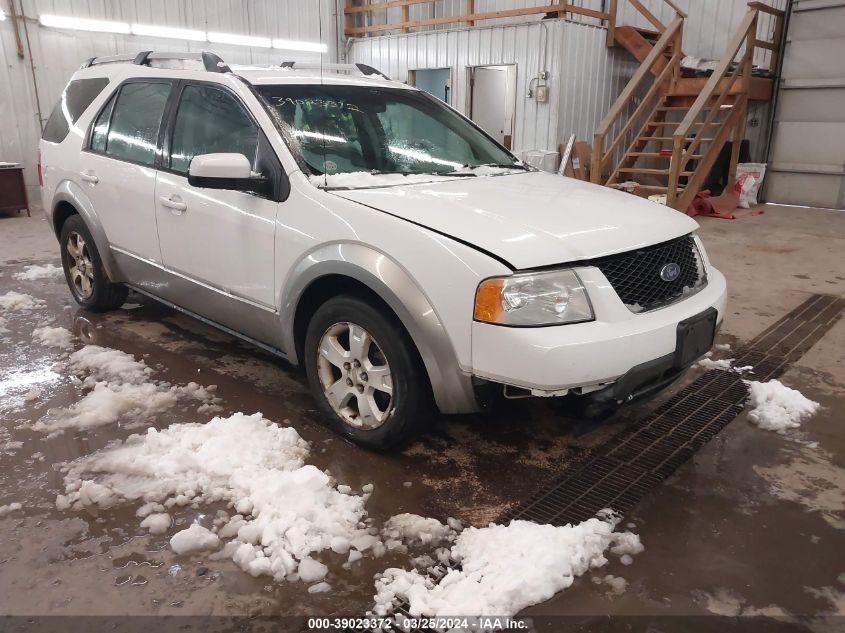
[428,279]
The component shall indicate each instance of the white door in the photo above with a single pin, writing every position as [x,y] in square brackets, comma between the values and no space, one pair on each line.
[807,158]
[221,238]
[492,92]
[117,170]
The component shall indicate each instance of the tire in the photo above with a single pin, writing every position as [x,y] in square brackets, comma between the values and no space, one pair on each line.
[84,270]
[361,410]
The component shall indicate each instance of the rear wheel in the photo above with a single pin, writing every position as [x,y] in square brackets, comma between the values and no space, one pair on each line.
[84,270]
[366,374]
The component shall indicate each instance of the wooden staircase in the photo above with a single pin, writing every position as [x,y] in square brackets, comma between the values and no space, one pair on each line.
[665,131]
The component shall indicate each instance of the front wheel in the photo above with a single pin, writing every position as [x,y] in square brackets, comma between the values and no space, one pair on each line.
[84,270]
[366,374]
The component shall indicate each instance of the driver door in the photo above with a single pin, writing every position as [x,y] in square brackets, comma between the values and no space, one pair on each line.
[221,240]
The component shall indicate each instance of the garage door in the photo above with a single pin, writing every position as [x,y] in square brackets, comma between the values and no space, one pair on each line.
[807,162]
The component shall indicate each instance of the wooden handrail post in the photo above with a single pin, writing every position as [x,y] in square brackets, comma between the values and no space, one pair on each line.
[777,39]
[674,172]
[611,24]
[597,160]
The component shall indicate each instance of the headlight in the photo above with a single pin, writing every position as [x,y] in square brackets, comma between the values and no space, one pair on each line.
[546,298]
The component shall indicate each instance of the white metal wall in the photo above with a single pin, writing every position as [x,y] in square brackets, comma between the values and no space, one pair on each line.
[708,26]
[56,54]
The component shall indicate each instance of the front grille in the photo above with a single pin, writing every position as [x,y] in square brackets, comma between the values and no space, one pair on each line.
[635,275]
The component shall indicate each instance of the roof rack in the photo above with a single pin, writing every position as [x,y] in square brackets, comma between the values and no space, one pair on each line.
[363,69]
[211,62]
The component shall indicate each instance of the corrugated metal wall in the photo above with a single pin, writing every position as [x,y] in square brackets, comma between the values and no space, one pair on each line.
[56,54]
[586,77]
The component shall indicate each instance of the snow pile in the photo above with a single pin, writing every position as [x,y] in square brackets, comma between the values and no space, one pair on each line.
[416,530]
[3,328]
[287,511]
[776,407]
[18,301]
[723,364]
[119,387]
[31,273]
[503,569]
[12,507]
[157,523]
[53,337]
[106,364]
[193,539]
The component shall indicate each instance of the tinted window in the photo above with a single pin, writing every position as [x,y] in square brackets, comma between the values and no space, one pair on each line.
[209,121]
[133,134]
[101,127]
[77,96]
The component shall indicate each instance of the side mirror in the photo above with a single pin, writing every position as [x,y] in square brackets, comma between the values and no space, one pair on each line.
[225,171]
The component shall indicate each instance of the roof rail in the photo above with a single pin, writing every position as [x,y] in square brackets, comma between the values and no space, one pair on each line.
[364,69]
[211,62]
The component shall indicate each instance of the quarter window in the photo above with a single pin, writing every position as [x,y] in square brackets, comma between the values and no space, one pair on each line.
[135,123]
[210,121]
[75,99]
[101,128]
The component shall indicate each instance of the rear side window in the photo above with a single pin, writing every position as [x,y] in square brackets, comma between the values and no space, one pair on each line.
[209,121]
[135,122]
[101,127]
[75,99]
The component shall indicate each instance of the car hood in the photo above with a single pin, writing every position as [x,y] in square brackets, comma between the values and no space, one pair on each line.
[530,219]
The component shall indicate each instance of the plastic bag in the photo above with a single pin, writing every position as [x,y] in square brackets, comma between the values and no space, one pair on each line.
[749,177]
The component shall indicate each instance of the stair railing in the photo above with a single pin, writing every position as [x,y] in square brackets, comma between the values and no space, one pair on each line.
[713,97]
[601,157]
[612,11]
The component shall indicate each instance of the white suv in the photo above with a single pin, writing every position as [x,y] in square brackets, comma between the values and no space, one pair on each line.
[366,230]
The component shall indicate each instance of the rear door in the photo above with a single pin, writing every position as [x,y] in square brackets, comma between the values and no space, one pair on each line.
[118,169]
[222,239]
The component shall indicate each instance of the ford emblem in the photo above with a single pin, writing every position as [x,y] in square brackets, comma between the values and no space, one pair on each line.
[670,272]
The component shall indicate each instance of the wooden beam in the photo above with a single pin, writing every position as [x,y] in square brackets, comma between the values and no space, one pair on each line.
[406,16]
[393,4]
[611,24]
[473,17]
[470,10]
[765,8]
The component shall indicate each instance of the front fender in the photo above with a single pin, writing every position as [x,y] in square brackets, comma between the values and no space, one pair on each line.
[452,388]
[71,193]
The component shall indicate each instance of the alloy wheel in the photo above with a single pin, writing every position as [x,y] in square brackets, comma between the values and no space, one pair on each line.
[80,266]
[355,376]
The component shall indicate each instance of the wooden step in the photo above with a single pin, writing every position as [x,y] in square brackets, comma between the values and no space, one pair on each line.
[675,123]
[688,139]
[629,38]
[761,87]
[657,189]
[650,172]
[727,106]
[659,155]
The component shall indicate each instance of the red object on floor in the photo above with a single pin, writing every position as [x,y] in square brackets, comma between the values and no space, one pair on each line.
[718,207]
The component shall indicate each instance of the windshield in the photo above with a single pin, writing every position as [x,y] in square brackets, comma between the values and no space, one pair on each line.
[346,129]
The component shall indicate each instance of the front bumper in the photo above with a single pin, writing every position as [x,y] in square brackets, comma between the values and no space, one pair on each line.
[584,357]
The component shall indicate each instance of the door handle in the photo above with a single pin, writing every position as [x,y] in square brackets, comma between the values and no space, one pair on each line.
[173,203]
[89,176]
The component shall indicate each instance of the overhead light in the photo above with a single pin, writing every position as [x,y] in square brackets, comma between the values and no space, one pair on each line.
[293,45]
[240,40]
[166,31]
[83,24]
[2,15]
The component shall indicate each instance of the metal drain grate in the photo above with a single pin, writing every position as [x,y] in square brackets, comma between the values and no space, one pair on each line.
[619,473]
[622,471]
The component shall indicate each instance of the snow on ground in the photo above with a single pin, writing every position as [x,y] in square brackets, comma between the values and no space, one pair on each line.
[192,539]
[31,273]
[12,507]
[287,511]
[504,569]
[414,529]
[724,364]
[53,337]
[119,387]
[18,301]
[776,407]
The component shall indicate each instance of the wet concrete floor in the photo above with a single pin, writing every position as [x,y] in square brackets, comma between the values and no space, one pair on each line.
[752,525]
